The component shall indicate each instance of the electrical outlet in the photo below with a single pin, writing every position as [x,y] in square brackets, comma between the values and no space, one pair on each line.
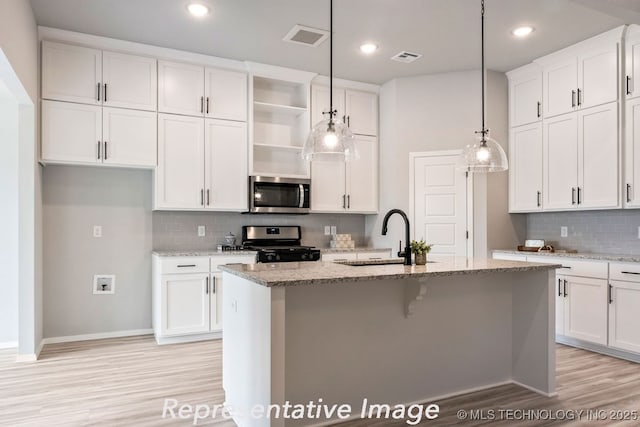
[333,230]
[564,232]
[97,231]
[201,231]
[327,230]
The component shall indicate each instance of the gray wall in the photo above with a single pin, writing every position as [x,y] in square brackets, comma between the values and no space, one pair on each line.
[614,231]
[75,199]
[178,230]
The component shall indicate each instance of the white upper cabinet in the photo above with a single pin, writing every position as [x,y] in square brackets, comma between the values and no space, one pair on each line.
[71,133]
[193,90]
[598,157]
[560,84]
[598,76]
[525,95]
[632,154]
[180,172]
[525,171]
[362,177]
[91,76]
[71,73]
[225,95]
[560,174]
[180,88]
[328,192]
[632,61]
[129,81]
[130,137]
[357,109]
[226,163]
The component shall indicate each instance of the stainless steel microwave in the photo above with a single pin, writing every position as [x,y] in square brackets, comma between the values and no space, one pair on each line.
[279,195]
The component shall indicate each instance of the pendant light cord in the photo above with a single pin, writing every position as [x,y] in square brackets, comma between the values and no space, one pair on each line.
[331,112]
[484,131]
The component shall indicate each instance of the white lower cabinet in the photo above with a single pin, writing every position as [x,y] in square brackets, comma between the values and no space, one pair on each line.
[187,297]
[624,306]
[585,308]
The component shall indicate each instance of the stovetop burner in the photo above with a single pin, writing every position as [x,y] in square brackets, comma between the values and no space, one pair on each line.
[278,244]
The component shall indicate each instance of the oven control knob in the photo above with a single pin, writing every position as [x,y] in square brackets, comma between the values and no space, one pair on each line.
[277,257]
[304,256]
[270,257]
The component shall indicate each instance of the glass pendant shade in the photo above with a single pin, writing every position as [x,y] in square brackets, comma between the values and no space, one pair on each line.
[485,155]
[330,140]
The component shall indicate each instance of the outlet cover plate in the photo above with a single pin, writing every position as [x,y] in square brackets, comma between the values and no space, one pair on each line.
[202,231]
[104,284]
[564,232]
[334,230]
[327,230]
[97,231]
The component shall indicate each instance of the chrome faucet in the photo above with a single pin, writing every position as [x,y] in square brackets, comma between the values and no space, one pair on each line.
[407,249]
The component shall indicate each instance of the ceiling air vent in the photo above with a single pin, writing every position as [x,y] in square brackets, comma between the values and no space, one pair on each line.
[406,57]
[306,35]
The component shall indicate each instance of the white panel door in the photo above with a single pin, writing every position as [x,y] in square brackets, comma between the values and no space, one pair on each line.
[624,316]
[215,294]
[560,162]
[362,177]
[226,170]
[328,186]
[225,94]
[185,304]
[71,73]
[320,103]
[180,172]
[131,81]
[525,173]
[598,77]
[560,303]
[71,132]
[130,137]
[632,63]
[598,151]
[440,204]
[362,112]
[180,88]
[560,84]
[585,310]
[525,98]
[632,153]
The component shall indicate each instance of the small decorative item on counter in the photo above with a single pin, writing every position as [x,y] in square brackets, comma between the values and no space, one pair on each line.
[230,239]
[342,241]
[420,249]
[547,249]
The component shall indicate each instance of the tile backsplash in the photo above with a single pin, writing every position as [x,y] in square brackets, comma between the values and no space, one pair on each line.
[179,230]
[614,231]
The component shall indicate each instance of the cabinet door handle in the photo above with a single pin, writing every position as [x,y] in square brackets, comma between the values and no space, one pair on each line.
[208,199]
[610,294]
[628,193]
[565,288]
[573,195]
[207,288]
[349,121]
[566,266]
[99,150]
[215,282]
[538,199]
[105,151]
[630,272]
[105,92]
[559,287]
[349,201]
[539,104]
[579,199]
[185,265]
[344,119]
[579,97]
[344,201]
[628,85]
[99,91]
[202,104]
[573,99]
[207,105]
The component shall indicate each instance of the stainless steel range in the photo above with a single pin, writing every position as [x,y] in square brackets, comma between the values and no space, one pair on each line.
[278,243]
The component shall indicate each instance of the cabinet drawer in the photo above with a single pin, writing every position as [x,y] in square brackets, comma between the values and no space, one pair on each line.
[373,255]
[185,265]
[217,261]
[625,271]
[571,267]
[345,256]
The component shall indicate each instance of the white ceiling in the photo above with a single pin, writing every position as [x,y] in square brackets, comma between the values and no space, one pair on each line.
[446,32]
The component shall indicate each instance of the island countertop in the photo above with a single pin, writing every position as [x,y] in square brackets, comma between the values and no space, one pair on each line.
[308,273]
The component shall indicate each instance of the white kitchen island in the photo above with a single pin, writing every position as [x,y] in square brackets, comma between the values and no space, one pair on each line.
[393,334]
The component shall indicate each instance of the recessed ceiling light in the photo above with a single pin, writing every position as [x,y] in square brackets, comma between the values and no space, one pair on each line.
[368,48]
[522,31]
[198,9]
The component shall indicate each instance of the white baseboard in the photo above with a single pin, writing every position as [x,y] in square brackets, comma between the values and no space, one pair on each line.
[535,390]
[188,338]
[30,357]
[8,344]
[98,336]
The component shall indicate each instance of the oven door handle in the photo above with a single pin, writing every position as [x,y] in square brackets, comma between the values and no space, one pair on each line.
[301,195]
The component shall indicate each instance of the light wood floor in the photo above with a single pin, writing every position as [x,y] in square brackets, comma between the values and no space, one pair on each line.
[123,382]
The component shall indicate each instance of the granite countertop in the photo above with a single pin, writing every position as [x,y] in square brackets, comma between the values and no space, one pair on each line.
[306,273]
[579,255]
[202,253]
[356,249]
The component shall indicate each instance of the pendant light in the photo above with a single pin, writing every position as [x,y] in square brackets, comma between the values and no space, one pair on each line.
[485,155]
[330,139]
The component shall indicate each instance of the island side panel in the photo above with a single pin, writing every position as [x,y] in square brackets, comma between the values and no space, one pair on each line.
[246,349]
[350,341]
[534,355]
